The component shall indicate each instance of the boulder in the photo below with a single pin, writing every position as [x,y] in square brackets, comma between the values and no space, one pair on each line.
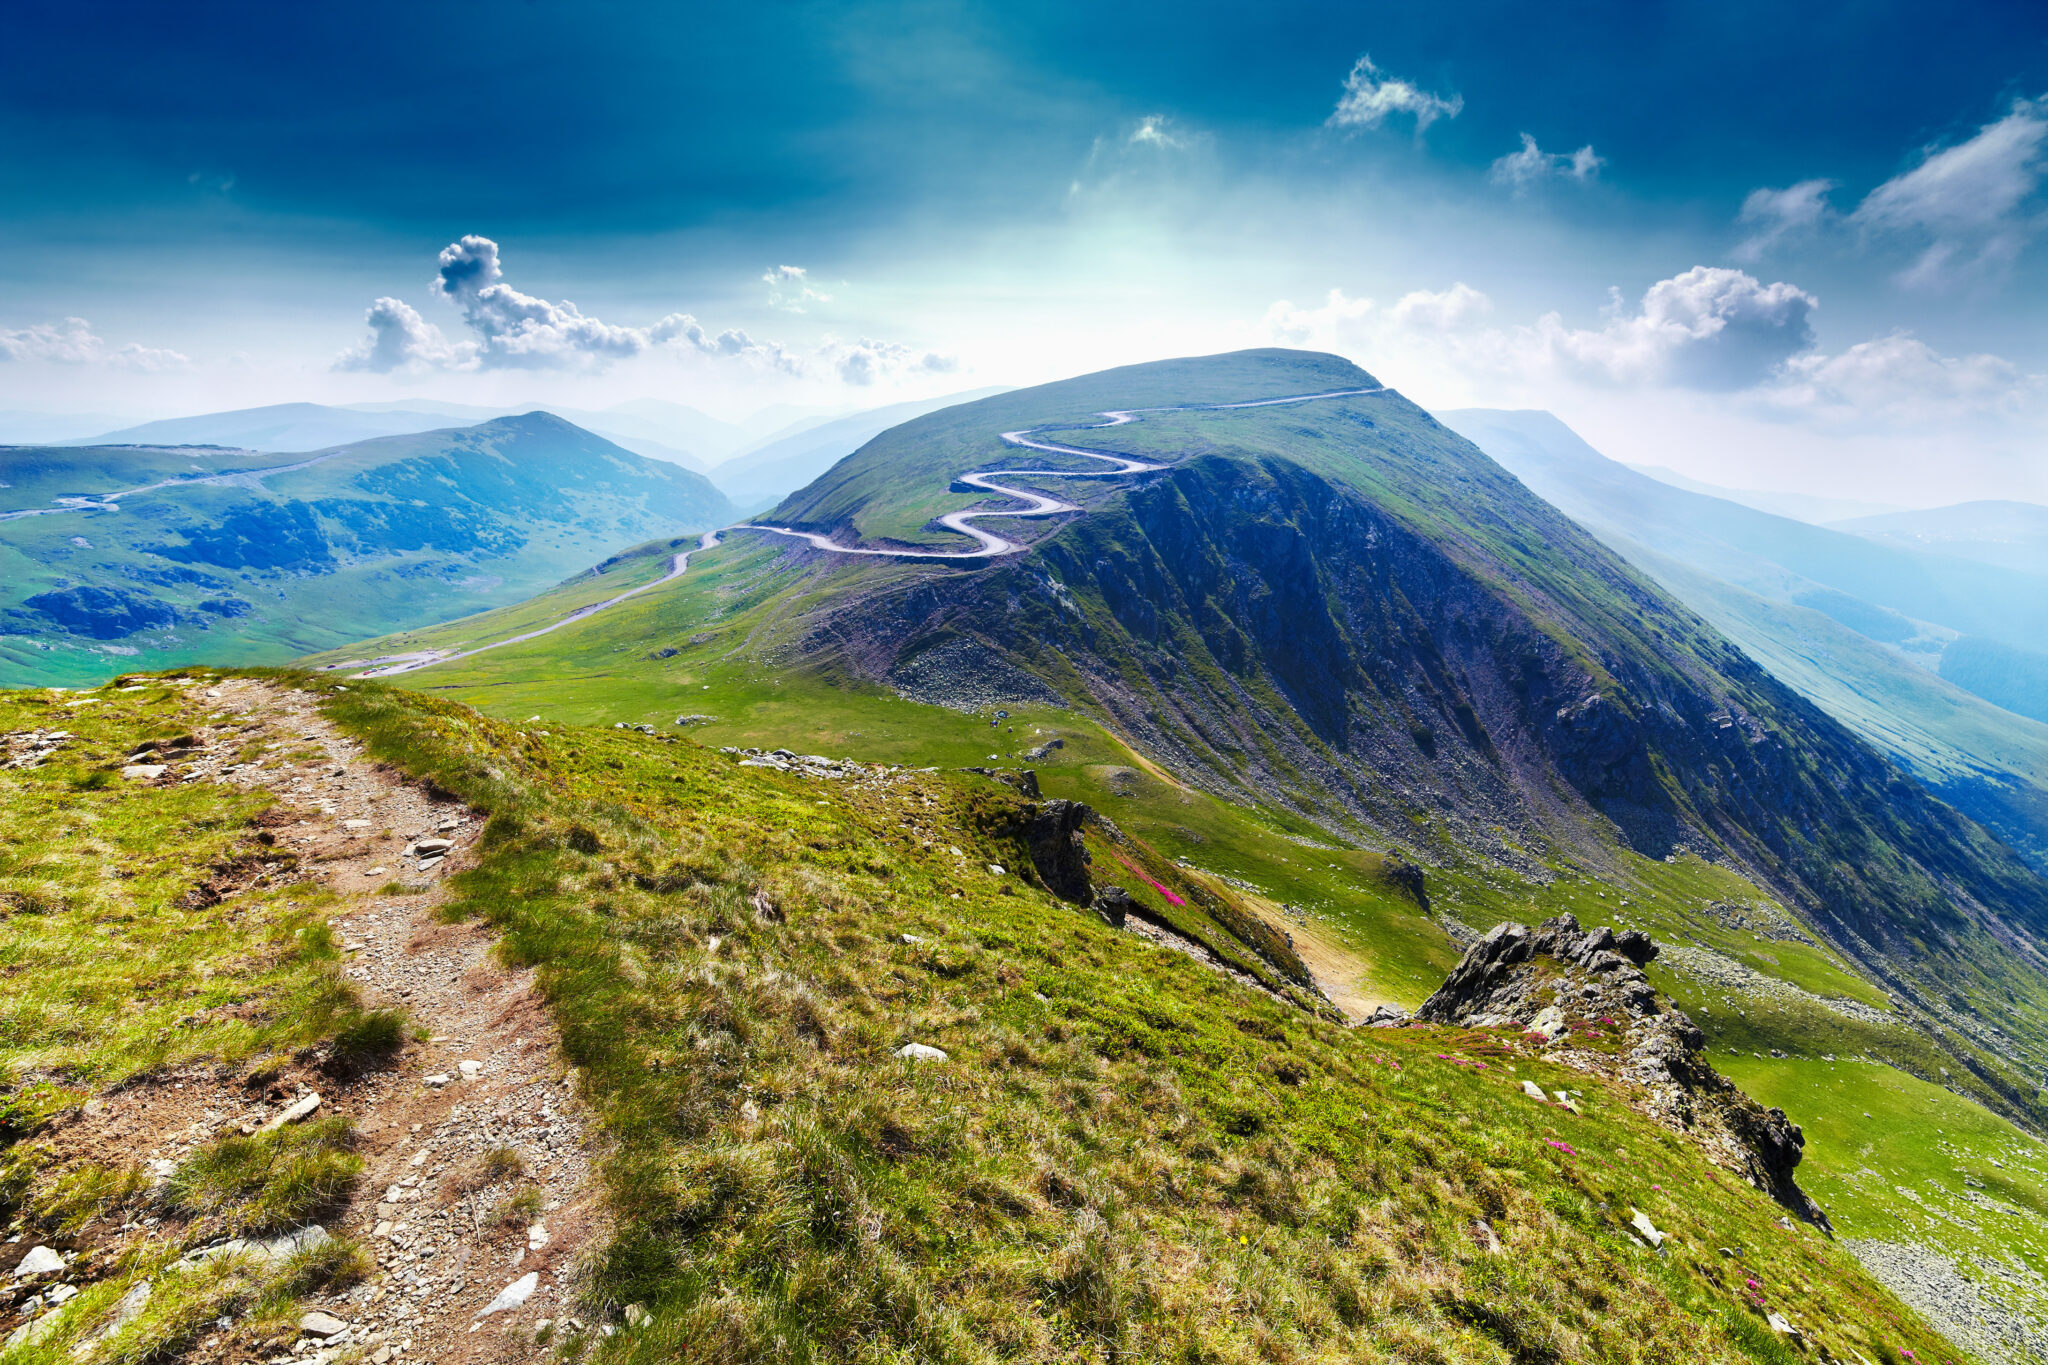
[1114,904]
[322,1325]
[512,1295]
[1050,832]
[920,1052]
[39,1261]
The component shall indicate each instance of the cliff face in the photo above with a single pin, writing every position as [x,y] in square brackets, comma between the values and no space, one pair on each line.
[1586,993]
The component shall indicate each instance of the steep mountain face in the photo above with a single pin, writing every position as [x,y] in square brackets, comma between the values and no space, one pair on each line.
[1344,608]
[184,552]
[1835,615]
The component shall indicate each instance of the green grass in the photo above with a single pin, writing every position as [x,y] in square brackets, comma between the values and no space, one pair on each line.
[114,965]
[1979,1185]
[118,968]
[1126,1155]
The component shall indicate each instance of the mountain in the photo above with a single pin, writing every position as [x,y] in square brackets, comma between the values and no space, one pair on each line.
[761,475]
[288,427]
[1343,616]
[172,553]
[2013,535]
[1764,581]
[1809,507]
[764,1058]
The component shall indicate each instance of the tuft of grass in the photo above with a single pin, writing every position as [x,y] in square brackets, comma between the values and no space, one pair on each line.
[369,1041]
[270,1181]
[519,1209]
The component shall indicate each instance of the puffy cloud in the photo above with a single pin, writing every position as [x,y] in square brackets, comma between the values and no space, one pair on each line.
[1970,205]
[1371,97]
[1899,378]
[869,361]
[511,330]
[1709,328]
[1771,216]
[1444,311]
[73,342]
[1520,170]
[519,331]
[789,286]
[401,340]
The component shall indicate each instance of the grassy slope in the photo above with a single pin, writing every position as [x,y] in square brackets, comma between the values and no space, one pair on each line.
[1125,1154]
[110,973]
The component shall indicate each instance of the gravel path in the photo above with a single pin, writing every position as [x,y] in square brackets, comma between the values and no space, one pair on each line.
[449,1230]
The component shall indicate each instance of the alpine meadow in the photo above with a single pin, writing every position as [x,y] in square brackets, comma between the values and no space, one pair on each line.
[1166,684]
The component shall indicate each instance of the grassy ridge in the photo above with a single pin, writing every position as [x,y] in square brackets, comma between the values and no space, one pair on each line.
[1125,1154]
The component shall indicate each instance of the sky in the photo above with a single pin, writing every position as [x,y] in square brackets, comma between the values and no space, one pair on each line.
[1793,247]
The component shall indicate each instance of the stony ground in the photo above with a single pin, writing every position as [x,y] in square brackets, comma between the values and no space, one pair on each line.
[2001,1313]
[478,1182]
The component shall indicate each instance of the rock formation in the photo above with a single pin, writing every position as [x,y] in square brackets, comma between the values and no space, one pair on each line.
[1584,991]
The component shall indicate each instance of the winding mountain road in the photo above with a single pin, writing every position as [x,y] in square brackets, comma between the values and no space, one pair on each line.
[988,545]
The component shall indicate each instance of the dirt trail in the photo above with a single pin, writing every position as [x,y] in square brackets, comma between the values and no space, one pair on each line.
[491,1077]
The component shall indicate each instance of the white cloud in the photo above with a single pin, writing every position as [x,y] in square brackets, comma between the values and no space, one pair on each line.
[401,341]
[1709,328]
[519,331]
[789,287]
[1447,310]
[1971,206]
[73,342]
[1520,170]
[1157,130]
[868,361]
[1772,216]
[1900,379]
[1371,97]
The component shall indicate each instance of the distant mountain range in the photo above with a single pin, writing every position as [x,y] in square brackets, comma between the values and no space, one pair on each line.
[153,555]
[755,462]
[1904,646]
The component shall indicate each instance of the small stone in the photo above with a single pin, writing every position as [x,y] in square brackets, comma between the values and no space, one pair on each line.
[376,872]
[380,1356]
[383,1229]
[355,824]
[920,1052]
[39,1261]
[1642,1224]
[513,1294]
[322,1325]
[536,1237]
[995,869]
[426,846]
[1782,1325]
[912,939]
[299,1109]
[437,1080]
[469,1068]
[144,772]
[637,1315]
[60,1293]
[1534,1092]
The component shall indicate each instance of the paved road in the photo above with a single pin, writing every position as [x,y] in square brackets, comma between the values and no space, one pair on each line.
[988,545]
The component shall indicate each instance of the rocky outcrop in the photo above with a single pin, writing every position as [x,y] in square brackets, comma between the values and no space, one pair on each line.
[1050,832]
[1585,992]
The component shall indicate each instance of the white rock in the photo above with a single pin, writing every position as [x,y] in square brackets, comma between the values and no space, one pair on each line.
[434,845]
[130,1305]
[919,1052]
[39,1261]
[355,824]
[637,1315]
[995,869]
[513,1294]
[469,1068]
[322,1325]
[437,1080]
[29,1333]
[1534,1091]
[1642,1224]
[60,1293]
[536,1236]
[144,772]
[1551,1023]
[291,1243]
[1780,1323]
[298,1109]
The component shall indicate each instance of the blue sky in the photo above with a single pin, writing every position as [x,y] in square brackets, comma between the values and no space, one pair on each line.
[1773,245]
